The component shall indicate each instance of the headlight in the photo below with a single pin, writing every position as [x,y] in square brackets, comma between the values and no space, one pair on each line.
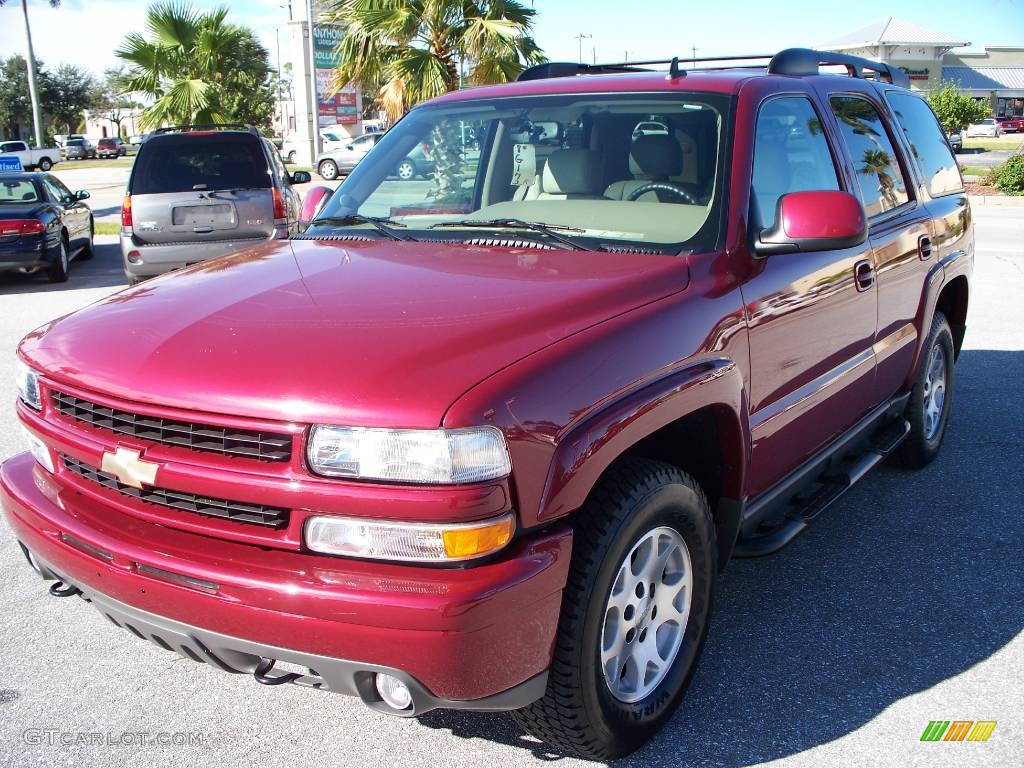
[437,456]
[415,542]
[28,385]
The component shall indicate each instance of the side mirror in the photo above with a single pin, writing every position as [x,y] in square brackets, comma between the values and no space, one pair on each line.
[312,203]
[82,195]
[300,177]
[814,221]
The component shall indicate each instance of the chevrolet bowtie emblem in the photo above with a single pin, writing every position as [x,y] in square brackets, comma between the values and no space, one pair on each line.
[128,467]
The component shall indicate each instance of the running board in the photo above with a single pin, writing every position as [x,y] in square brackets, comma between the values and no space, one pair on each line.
[833,483]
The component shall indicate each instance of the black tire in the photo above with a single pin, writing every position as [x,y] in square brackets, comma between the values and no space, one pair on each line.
[328,169]
[45,164]
[925,439]
[88,251]
[578,712]
[58,271]
[406,170]
[292,156]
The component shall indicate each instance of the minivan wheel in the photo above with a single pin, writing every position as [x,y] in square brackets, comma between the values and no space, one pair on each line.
[406,170]
[328,170]
[635,612]
[930,398]
[58,271]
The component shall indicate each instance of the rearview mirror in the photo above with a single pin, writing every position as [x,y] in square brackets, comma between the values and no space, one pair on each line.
[312,203]
[82,195]
[300,177]
[349,146]
[814,221]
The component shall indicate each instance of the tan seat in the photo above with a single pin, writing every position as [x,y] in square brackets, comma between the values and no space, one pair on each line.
[571,174]
[654,157]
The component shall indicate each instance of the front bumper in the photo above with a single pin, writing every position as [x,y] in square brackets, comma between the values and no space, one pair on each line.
[473,638]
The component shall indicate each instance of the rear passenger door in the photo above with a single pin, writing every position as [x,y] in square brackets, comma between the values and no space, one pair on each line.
[811,324]
[899,231]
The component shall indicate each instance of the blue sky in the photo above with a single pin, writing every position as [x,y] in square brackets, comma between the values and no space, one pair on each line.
[86,32]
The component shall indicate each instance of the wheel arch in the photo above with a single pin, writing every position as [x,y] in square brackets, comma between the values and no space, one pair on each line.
[694,419]
[952,302]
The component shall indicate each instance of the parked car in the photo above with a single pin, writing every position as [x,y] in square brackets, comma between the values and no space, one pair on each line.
[43,225]
[956,141]
[339,160]
[110,148]
[78,149]
[487,444]
[1011,123]
[419,162]
[987,127]
[648,128]
[200,193]
[31,159]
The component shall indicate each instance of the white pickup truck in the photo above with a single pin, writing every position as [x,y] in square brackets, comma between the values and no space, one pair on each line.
[43,159]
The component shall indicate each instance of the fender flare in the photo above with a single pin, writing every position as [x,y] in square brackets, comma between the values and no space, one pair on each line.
[589,447]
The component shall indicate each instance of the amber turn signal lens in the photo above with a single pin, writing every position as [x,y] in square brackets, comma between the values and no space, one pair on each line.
[472,542]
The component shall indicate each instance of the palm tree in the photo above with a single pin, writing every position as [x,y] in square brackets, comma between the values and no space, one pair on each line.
[193,65]
[408,51]
[33,85]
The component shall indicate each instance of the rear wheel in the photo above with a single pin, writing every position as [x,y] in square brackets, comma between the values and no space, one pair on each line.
[292,157]
[328,170]
[45,164]
[634,612]
[87,251]
[58,271]
[406,170]
[930,398]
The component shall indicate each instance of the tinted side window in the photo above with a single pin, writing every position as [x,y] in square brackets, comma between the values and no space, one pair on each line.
[878,171]
[56,188]
[931,151]
[184,163]
[791,154]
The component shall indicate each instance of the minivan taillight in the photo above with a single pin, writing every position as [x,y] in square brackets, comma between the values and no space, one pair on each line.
[126,212]
[279,212]
[21,227]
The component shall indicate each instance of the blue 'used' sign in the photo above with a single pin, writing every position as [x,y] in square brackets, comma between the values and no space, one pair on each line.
[10,164]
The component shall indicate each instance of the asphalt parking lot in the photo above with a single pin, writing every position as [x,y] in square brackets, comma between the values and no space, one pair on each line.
[903,604]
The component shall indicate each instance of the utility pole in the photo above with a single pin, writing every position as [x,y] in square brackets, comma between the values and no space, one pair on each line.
[695,55]
[33,87]
[313,101]
[581,37]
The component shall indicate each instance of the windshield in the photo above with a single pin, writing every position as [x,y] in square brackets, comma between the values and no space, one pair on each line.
[615,170]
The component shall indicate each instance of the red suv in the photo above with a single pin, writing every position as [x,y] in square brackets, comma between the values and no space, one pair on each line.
[110,148]
[485,441]
[1011,124]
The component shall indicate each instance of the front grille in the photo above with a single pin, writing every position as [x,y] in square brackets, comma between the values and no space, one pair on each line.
[240,512]
[267,446]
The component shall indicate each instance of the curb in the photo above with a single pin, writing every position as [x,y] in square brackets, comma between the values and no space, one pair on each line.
[1004,200]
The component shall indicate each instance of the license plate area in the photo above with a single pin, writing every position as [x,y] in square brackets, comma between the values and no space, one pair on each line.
[204,216]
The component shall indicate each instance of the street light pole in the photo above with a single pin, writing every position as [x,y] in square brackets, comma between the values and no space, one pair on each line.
[581,37]
[33,88]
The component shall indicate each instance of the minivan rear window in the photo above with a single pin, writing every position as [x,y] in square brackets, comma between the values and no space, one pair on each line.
[211,161]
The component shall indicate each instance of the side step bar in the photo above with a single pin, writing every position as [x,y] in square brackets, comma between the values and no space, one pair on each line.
[833,483]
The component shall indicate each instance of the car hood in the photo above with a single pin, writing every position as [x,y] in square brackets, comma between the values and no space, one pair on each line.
[368,333]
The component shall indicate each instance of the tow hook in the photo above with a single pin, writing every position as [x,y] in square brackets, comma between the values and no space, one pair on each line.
[60,589]
[264,666]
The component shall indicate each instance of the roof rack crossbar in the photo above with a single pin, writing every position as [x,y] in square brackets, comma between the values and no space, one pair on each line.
[208,126]
[570,69]
[805,61]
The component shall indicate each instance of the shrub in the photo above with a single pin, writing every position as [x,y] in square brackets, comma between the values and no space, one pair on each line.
[1010,176]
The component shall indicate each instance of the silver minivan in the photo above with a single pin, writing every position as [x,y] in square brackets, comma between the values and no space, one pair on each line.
[198,192]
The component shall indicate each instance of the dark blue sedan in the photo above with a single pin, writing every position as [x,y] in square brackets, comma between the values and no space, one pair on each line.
[43,225]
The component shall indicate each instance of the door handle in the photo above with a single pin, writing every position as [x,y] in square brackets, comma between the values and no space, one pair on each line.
[924,247]
[863,274]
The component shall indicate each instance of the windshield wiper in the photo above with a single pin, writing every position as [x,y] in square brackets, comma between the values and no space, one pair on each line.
[536,226]
[381,224]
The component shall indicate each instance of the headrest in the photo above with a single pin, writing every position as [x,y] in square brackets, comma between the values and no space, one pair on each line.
[655,156]
[572,172]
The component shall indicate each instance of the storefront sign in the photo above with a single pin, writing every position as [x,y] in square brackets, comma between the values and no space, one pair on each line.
[916,74]
[332,108]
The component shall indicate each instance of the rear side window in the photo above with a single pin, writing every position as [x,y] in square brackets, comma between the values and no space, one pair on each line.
[878,170]
[791,154]
[931,150]
[185,163]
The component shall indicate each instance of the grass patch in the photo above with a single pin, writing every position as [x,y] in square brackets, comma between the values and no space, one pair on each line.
[974,170]
[1007,142]
[74,165]
[107,228]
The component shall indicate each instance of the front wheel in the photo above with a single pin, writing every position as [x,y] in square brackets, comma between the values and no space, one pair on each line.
[406,170]
[328,170]
[88,251]
[930,398]
[635,612]
[291,158]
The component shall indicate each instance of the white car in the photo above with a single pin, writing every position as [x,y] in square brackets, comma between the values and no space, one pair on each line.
[988,127]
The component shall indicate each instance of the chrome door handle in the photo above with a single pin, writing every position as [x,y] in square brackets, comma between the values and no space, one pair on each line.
[864,274]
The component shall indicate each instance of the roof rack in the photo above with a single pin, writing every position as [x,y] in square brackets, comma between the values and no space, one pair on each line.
[804,61]
[791,61]
[209,126]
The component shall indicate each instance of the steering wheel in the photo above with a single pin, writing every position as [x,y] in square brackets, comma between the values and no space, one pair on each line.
[663,186]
